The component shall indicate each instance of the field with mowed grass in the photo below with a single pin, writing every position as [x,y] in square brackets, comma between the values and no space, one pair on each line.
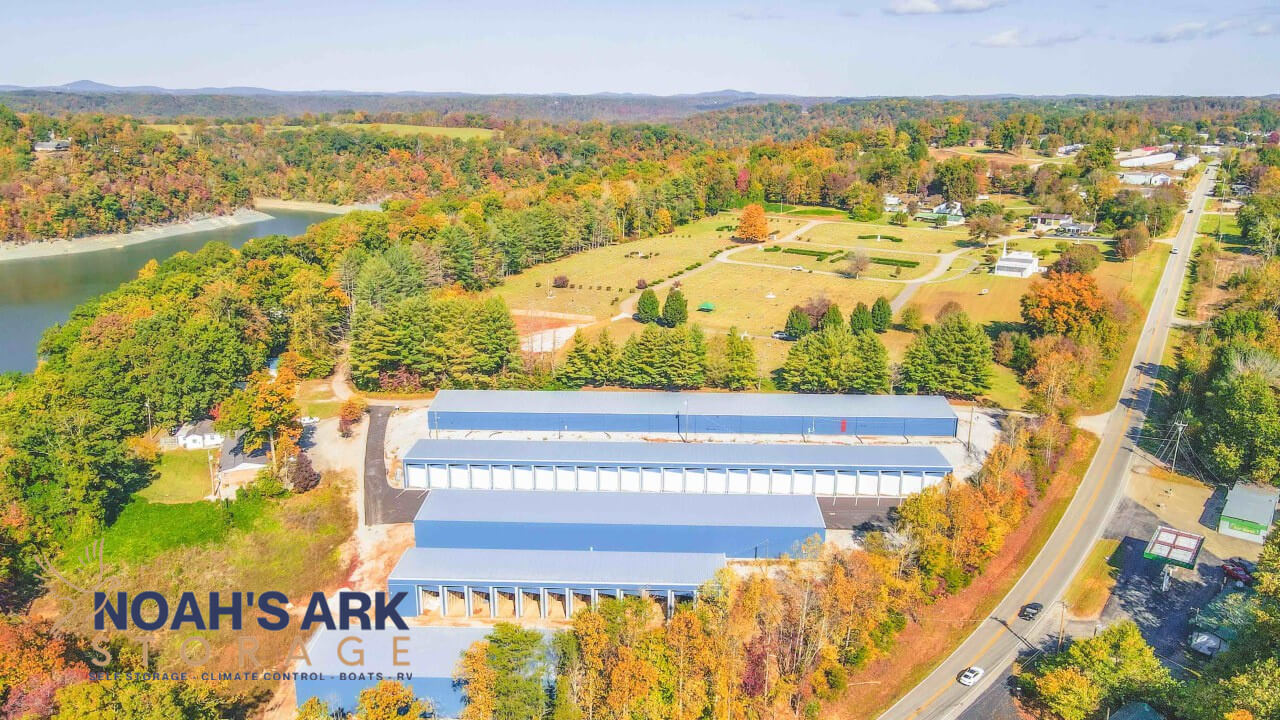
[460,133]
[756,299]
[182,476]
[599,279]
[920,239]
[1224,223]
[834,259]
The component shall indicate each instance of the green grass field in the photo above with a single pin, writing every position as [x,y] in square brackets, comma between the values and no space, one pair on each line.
[603,277]
[786,261]
[1227,224]
[182,477]
[914,239]
[741,295]
[1091,587]
[315,398]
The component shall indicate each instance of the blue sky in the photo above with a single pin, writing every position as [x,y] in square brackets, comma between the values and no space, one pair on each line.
[852,48]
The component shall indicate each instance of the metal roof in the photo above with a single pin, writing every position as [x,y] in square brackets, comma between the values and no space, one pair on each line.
[430,651]
[556,567]
[1254,503]
[672,454]
[1175,546]
[622,508]
[693,403]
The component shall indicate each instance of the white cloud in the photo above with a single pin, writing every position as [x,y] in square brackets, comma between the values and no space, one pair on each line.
[1189,31]
[938,7]
[749,16]
[1266,28]
[1014,38]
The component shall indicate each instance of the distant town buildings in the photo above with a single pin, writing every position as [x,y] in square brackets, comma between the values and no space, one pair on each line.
[1149,160]
[53,144]
[1145,178]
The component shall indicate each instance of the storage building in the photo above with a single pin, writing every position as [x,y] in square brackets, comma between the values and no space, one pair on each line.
[693,413]
[423,659]
[552,584]
[744,526]
[1249,512]
[835,470]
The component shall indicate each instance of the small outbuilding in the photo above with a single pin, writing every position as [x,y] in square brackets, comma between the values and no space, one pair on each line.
[1249,512]
[741,526]
[1018,263]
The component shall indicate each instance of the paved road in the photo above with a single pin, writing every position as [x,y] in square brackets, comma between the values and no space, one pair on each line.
[384,504]
[995,641]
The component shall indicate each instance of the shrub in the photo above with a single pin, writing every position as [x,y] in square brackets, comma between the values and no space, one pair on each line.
[890,238]
[560,281]
[895,262]
[642,284]
[305,476]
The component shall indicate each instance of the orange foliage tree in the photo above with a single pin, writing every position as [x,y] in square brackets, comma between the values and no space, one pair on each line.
[753,226]
[1063,304]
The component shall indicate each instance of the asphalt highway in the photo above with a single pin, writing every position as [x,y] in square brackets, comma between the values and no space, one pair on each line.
[995,642]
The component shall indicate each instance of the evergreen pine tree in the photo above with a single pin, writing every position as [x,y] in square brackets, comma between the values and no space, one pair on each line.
[860,319]
[675,311]
[881,315]
[374,348]
[797,323]
[733,367]
[835,361]
[832,319]
[579,364]
[605,359]
[952,357]
[647,308]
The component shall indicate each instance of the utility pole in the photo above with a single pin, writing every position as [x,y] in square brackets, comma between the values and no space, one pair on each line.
[1178,426]
[1062,624]
[968,443]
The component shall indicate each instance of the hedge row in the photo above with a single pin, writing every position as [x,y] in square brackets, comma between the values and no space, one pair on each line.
[890,238]
[895,262]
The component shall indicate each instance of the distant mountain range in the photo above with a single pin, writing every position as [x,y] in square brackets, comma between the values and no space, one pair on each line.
[234,102]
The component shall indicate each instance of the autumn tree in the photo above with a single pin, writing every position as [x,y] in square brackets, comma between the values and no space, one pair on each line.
[349,414]
[1132,242]
[391,700]
[1062,303]
[753,226]
[267,413]
[1083,258]
[857,264]
[985,228]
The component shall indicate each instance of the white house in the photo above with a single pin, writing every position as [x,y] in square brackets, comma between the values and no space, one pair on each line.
[893,203]
[1210,149]
[199,436]
[1145,178]
[1149,160]
[1019,263]
[1187,163]
[949,208]
[1048,221]
[1071,149]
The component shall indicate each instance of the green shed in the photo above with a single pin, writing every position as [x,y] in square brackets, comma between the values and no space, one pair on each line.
[706,307]
[1249,512]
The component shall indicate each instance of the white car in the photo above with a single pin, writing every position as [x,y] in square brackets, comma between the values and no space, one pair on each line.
[971,676]
[309,420]
[797,267]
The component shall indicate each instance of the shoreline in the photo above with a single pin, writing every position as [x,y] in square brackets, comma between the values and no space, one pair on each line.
[94,243]
[311,206]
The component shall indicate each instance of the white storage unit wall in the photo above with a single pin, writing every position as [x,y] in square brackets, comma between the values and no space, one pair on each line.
[720,474]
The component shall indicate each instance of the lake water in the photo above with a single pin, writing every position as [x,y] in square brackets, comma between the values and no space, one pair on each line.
[39,292]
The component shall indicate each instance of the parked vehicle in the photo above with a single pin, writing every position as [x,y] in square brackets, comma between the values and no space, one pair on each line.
[1250,566]
[780,335]
[1235,572]
[971,676]
[1030,611]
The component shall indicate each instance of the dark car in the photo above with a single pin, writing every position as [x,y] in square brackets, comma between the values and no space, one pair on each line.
[1235,572]
[1249,566]
[1030,611]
